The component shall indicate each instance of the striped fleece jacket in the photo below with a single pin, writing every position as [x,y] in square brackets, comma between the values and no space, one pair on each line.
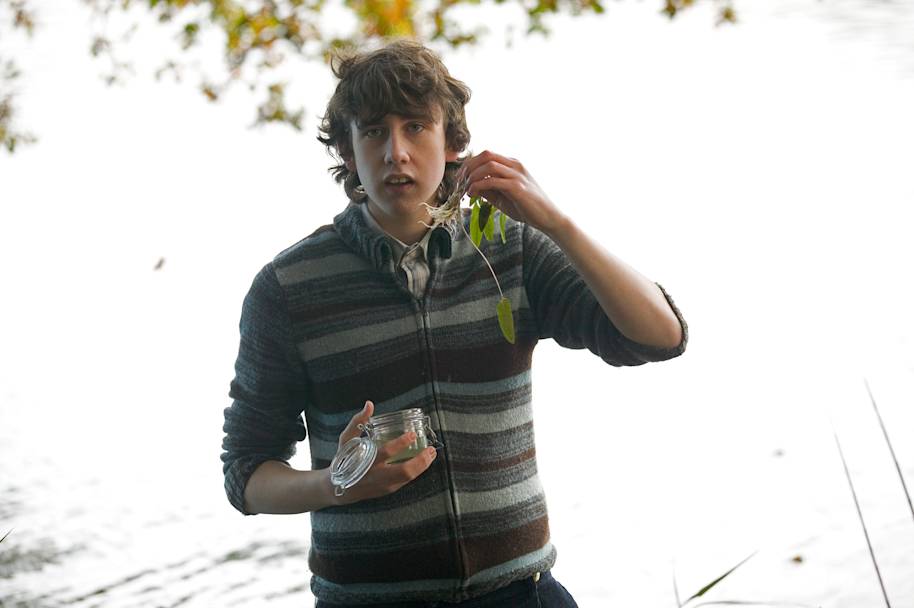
[330,323]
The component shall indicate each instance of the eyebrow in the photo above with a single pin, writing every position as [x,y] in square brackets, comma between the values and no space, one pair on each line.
[362,125]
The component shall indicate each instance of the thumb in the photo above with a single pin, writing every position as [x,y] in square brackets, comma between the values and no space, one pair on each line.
[361,417]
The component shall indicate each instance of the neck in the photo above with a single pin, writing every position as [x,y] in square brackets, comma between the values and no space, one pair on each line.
[407,230]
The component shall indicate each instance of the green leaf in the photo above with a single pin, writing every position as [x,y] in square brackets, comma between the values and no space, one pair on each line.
[707,587]
[475,232]
[489,228]
[506,320]
[485,212]
[502,220]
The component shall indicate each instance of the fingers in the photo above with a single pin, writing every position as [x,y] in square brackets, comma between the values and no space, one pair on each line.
[382,479]
[352,429]
[489,163]
[490,187]
[417,465]
[398,474]
[490,170]
[395,446]
[488,178]
[408,469]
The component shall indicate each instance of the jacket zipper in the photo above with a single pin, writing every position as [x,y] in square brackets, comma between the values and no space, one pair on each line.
[452,490]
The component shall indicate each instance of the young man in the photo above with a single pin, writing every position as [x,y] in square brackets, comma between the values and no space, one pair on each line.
[377,313]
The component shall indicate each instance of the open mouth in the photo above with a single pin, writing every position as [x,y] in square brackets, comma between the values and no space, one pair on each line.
[398,183]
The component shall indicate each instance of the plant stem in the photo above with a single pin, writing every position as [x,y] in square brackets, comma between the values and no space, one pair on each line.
[483,257]
[891,449]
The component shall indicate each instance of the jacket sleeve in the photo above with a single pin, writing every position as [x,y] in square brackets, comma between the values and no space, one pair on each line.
[269,390]
[567,311]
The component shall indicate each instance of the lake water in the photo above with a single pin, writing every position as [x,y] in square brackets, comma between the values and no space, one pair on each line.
[760,172]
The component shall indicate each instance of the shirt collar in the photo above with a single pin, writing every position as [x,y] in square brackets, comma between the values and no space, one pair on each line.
[375,245]
[398,246]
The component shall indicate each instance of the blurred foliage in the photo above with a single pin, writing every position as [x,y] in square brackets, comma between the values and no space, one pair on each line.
[256,37]
[16,14]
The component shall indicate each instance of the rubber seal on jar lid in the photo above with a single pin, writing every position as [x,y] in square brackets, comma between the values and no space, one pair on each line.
[351,463]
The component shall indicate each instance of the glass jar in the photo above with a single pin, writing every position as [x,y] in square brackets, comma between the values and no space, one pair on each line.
[358,454]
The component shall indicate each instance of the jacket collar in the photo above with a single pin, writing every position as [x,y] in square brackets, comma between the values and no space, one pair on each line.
[374,245]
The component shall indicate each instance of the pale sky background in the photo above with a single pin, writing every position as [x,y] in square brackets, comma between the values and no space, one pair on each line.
[760,172]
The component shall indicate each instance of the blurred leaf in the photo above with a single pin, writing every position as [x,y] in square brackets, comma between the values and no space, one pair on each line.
[275,110]
[475,232]
[257,36]
[22,15]
[10,135]
[210,92]
[99,45]
[489,228]
[502,220]
[385,18]
[485,210]
[727,15]
[189,35]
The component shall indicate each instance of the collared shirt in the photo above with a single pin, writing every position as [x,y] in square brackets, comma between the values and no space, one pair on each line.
[412,260]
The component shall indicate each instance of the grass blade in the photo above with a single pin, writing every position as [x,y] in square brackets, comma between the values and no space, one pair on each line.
[708,587]
[5,535]
[891,449]
[676,591]
[866,534]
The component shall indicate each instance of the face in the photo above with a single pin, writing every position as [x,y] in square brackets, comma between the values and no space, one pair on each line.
[400,162]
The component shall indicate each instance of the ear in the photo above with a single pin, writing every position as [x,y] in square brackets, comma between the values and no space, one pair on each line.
[350,163]
[450,156]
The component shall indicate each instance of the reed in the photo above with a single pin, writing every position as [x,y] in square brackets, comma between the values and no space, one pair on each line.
[888,442]
[866,533]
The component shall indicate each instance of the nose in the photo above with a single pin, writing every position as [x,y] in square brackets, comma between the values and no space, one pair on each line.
[397,149]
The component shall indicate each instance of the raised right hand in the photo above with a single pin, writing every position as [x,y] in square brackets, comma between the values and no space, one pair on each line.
[382,478]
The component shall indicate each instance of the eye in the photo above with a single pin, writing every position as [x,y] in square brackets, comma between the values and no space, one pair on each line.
[416,127]
[371,132]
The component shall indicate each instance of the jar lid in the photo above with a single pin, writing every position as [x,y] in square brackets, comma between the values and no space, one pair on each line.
[351,463]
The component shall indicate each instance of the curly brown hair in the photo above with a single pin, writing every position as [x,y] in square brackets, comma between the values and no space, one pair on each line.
[405,78]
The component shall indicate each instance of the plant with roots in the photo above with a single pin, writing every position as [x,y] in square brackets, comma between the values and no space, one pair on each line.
[482,224]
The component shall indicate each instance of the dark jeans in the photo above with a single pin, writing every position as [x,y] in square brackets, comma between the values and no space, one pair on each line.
[526,593]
